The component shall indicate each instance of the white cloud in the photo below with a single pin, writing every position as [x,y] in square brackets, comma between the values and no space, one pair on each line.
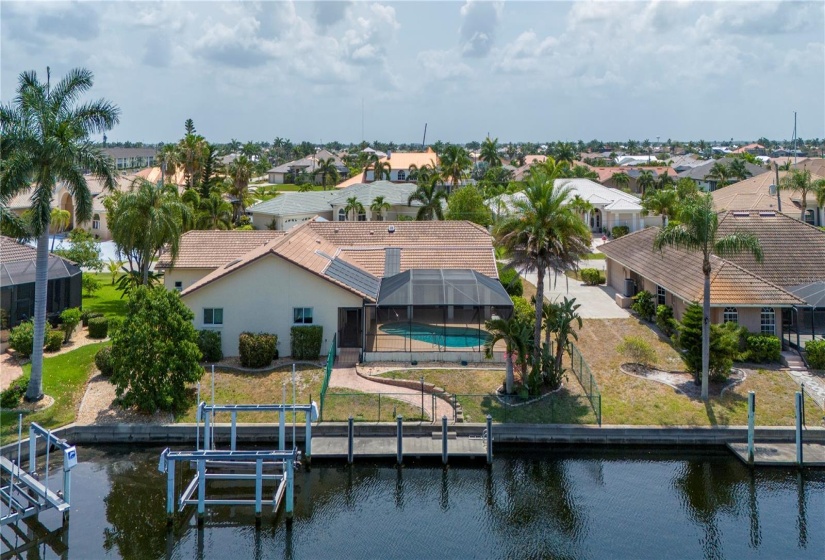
[479,23]
[443,65]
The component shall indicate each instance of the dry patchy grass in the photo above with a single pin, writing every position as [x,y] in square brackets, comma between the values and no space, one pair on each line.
[341,403]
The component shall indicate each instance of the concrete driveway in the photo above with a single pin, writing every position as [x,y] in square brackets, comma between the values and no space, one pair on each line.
[597,302]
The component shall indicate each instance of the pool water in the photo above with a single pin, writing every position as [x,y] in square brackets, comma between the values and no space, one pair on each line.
[449,337]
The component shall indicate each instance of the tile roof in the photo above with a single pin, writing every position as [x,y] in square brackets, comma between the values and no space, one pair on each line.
[23,200]
[403,160]
[606,173]
[211,249]
[314,244]
[18,264]
[730,284]
[754,194]
[700,172]
[793,251]
[815,165]
[311,202]
[12,251]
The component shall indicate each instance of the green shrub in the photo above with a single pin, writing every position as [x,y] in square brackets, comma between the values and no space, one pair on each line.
[70,318]
[644,306]
[209,343]
[665,321]
[306,342]
[637,350]
[98,327]
[510,279]
[523,311]
[257,350]
[54,340]
[763,348]
[619,231]
[592,276]
[115,324]
[10,397]
[90,284]
[86,315]
[21,339]
[103,361]
[815,353]
[724,341]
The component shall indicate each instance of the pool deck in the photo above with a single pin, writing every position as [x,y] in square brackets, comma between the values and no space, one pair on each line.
[780,454]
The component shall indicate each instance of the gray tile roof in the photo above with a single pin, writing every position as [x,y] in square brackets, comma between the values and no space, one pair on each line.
[323,201]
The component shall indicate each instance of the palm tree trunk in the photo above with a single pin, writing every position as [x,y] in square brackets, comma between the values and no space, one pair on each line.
[41,279]
[509,380]
[540,271]
[706,337]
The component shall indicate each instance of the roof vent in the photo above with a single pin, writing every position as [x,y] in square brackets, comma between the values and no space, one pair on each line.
[318,241]
[767,214]
[335,230]
[741,214]
[390,229]
[772,190]
[372,232]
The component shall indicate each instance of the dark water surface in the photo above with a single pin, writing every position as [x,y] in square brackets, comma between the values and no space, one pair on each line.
[584,504]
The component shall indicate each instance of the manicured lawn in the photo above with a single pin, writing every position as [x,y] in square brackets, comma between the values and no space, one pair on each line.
[64,379]
[631,400]
[474,390]
[594,257]
[107,299]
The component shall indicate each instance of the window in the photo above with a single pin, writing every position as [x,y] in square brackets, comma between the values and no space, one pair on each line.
[96,221]
[809,217]
[362,217]
[342,216]
[402,175]
[179,286]
[302,315]
[767,321]
[730,315]
[660,295]
[212,315]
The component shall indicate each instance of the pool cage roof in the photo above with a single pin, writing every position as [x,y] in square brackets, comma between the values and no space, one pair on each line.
[23,272]
[430,287]
[813,294]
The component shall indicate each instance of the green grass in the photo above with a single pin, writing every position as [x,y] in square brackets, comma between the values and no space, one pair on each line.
[594,257]
[340,404]
[64,379]
[107,299]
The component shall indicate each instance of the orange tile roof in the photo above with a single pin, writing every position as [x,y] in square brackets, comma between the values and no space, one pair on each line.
[211,249]
[754,194]
[680,272]
[403,160]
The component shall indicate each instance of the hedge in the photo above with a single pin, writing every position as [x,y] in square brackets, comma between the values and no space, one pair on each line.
[70,318]
[115,324]
[103,361]
[592,276]
[54,340]
[209,343]
[21,339]
[306,342]
[11,396]
[619,231]
[86,315]
[98,327]
[815,352]
[257,350]
[763,348]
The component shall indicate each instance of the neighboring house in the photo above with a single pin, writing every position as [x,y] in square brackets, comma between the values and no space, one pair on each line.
[360,283]
[753,149]
[611,207]
[685,162]
[400,163]
[606,175]
[17,277]
[287,172]
[760,193]
[202,251]
[132,158]
[288,210]
[701,173]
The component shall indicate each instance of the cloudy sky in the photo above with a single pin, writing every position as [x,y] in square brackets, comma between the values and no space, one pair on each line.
[517,70]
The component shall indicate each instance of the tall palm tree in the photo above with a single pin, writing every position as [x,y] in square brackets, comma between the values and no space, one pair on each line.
[516,337]
[145,220]
[240,171]
[168,158]
[422,174]
[489,152]
[381,171]
[579,205]
[44,139]
[215,212]
[799,180]
[719,173]
[431,199]
[354,206]
[60,220]
[621,180]
[665,181]
[645,181]
[663,202]
[192,151]
[697,231]
[565,152]
[455,162]
[378,207]
[738,170]
[543,233]
[328,170]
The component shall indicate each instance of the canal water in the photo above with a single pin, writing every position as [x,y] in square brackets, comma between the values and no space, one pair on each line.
[571,505]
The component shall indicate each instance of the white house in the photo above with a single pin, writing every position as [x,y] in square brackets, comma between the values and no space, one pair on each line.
[285,173]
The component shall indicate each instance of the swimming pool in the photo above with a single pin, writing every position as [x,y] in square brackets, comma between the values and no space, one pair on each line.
[449,337]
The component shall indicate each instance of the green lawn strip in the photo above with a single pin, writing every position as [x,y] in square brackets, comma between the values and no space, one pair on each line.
[474,390]
[107,299]
[64,379]
[594,257]
[341,403]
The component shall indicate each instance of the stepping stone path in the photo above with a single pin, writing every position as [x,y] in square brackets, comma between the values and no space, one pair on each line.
[814,386]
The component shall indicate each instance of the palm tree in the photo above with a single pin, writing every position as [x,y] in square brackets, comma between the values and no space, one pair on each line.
[543,232]
[819,193]
[454,164]
[422,174]
[169,158]
[565,153]
[663,202]
[516,337]
[354,206]
[378,207]
[381,171]
[489,152]
[44,139]
[621,180]
[799,180]
[328,170]
[191,155]
[720,173]
[579,205]
[645,181]
[60,220]
[665,181]
[215,212]
[697,230]
[240,171]
[737,169]
[145,220]
[431,199]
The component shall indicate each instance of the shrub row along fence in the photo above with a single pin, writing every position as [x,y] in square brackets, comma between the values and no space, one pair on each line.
[328,373]
[591,389]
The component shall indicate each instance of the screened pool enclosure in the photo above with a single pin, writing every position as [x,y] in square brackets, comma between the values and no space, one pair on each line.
[433,311]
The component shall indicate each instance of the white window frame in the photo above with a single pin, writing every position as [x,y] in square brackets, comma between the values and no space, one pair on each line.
[179,285]
[302,320]
[342,216]
[212,322]
[767,321]
[96,221]
[730,315]
[402,175]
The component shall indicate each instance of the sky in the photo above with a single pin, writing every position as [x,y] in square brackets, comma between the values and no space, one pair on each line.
[352,71]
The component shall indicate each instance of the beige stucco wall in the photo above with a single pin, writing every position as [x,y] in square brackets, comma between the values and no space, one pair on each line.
[262,221]
[390,215]
[260,297]
[187,276]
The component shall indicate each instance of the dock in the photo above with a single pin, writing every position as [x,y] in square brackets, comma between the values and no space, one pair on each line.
[780,454]
[386,447]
